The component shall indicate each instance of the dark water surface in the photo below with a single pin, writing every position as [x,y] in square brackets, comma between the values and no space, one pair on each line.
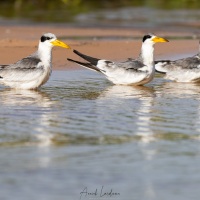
[81,132]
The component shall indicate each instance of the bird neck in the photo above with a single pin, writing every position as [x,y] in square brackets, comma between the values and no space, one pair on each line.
[45,53]
[147,54]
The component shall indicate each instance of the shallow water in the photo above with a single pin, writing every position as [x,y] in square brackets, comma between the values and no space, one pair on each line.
[81,132]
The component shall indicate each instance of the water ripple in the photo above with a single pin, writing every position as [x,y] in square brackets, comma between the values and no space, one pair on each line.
[90,110]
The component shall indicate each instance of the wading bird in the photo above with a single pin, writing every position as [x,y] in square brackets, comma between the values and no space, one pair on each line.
[130,72]
[33,71]
[182,70]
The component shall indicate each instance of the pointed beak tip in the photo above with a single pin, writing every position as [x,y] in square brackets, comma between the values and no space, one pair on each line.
[60,44]
[66,46]
[163,40]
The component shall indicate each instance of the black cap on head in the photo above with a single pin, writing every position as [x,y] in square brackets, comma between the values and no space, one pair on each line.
[146,37]
[44,38]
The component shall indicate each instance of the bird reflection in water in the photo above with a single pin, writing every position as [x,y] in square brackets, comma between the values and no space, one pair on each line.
[27,115]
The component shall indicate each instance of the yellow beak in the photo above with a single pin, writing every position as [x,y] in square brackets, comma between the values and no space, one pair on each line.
[60,44]
[158,39]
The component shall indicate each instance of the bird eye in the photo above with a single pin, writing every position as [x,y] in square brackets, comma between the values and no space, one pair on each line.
[44,38]
[146,37]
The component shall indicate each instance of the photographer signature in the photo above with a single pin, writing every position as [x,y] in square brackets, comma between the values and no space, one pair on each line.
[101,192]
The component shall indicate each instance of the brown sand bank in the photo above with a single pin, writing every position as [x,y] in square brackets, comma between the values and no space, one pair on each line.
[17,42]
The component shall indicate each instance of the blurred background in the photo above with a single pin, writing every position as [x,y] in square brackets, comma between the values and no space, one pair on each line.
[164,14]
[79,130]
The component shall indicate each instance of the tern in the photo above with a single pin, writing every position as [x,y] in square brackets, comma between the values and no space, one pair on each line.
[182,70]
[33,71]
[130,72]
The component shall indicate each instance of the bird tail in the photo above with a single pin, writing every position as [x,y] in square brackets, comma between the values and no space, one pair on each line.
[84,64]
[90,59]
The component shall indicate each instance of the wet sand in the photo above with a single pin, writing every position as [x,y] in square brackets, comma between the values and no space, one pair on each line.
[20,41]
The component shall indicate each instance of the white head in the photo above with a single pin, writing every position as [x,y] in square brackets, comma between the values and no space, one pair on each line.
[147,51]
[152,39]
[50,40]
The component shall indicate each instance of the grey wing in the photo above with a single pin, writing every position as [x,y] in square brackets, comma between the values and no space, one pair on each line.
[188,63]
[132,64]
[25,69]
[185,63]
[129,65]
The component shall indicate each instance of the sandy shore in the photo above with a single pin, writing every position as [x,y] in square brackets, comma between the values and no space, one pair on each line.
[19,41]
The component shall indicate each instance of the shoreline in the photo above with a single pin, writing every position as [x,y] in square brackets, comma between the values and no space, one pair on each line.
[17,42]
